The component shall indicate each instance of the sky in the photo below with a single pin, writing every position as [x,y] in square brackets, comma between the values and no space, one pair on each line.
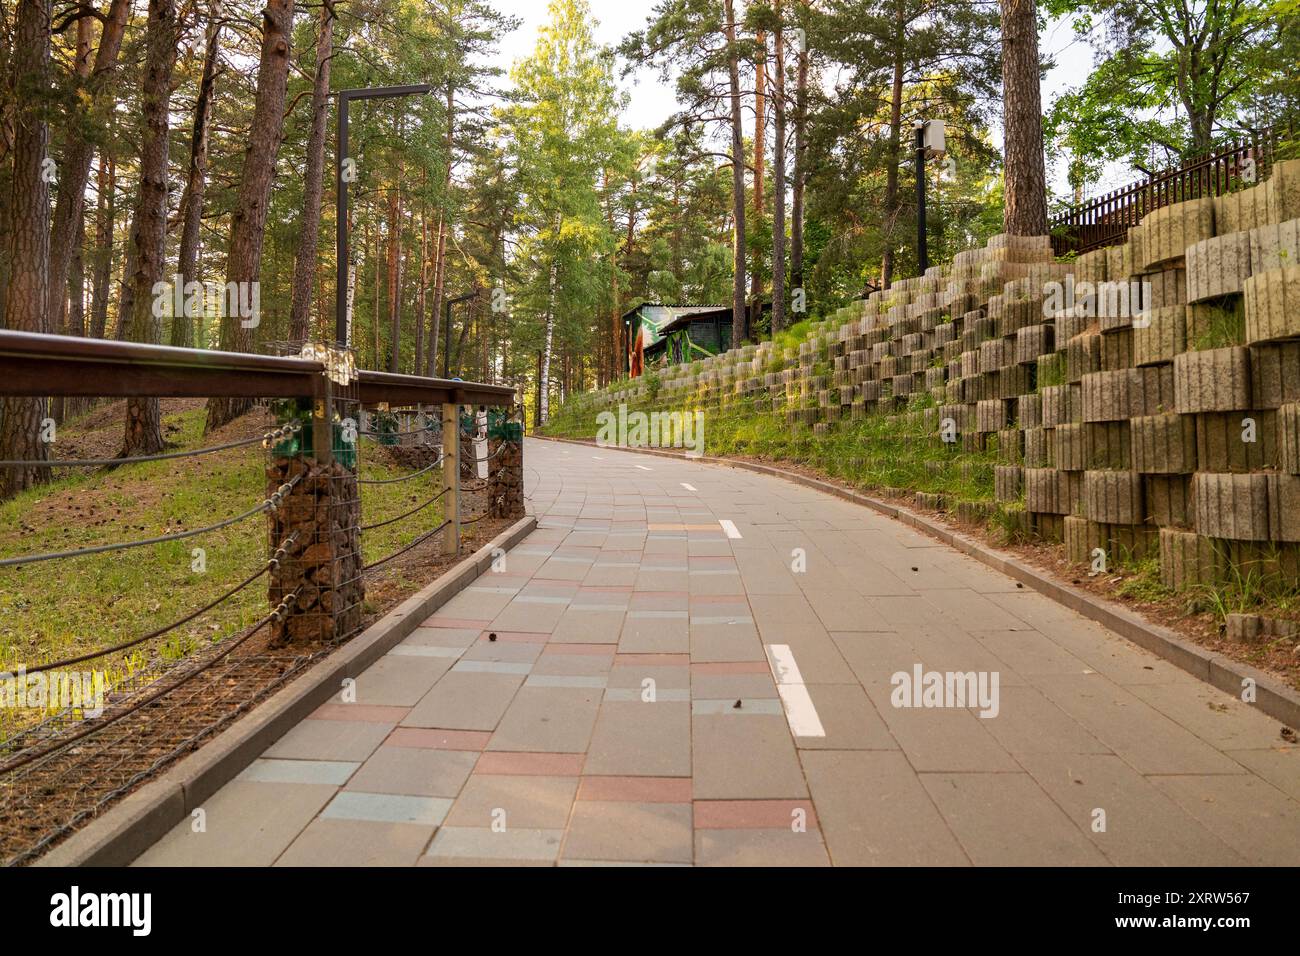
[651,100]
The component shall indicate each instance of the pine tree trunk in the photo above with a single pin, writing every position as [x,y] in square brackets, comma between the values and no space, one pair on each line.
[304,265]
[26,307]
[74,168]
[544,372]
[248,221]
[105,220]
[394,273]
[143,432]
[892,206]
[440,268]
[778,186]
[760,173]
[800,145]
[421,293]
[183,332]
[739,315]
[1025,212]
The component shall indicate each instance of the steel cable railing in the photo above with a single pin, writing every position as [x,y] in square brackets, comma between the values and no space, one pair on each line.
[405,514]
[35,753]
[270,565]
[269,504]
[284,431]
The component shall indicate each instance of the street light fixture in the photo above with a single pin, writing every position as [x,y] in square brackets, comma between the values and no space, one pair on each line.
[341,180]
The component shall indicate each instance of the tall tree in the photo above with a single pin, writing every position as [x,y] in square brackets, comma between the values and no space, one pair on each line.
[1171,80]
[778,179]
[304,266]
[105,219]
[760,173]
[563,133]
[26,307]
[248,221]
[800,149]
[149,225]
[1025,212]
[74,168]
[196,179]
[739,316]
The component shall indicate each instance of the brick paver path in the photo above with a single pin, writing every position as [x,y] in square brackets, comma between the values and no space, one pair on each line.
[693,664]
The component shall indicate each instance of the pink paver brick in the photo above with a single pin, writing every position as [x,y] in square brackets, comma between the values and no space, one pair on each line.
[530,764]
[750,814]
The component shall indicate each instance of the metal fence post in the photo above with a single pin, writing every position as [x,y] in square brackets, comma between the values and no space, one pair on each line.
[451,475]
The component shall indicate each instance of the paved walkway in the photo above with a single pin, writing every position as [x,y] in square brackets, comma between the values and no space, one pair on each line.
[627,710]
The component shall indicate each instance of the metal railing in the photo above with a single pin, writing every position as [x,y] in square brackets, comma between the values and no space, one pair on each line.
[58,771]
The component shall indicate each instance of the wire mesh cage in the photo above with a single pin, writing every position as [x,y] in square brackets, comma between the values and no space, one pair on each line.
[314,535]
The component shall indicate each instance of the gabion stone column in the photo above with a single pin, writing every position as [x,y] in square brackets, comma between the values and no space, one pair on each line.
[324,563]
[506,478]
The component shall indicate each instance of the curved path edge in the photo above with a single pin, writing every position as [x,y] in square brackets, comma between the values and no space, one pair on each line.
[1272,697]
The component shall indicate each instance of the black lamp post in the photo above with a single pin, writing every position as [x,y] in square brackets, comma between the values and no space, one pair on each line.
[929,143]
[341,192]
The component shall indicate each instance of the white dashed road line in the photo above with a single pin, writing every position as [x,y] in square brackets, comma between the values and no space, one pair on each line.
[644,468]
[800,713]
[729,526]
[689,487]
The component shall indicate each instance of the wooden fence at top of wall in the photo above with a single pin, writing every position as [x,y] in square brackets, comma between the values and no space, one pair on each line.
[1106,220]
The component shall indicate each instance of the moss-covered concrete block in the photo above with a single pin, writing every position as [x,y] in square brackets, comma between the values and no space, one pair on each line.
[1236,441]
[1232,506]
[1241,210]
[1187,559]
[1038,450]
[1284,507]
[1171,229]
[1274,374]
[1275,246]
[1123,394]
[1163,444]
[1062,405]
[1160,335]
[1216,380]
[1008,482]
[1107,444]
[1273,305]
[1082,537]
[1082,356]
[1168,500]
[1282,191]
[1113,497]
[1069,447]
[1288,431]
[1119,262]
[1049,491]
[1217,267]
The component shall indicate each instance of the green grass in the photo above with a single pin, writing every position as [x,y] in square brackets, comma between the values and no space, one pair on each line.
[874,452]
[60,608]
[1217,328]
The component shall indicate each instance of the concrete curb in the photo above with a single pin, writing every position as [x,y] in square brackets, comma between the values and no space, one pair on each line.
[143,817]
[1272,697]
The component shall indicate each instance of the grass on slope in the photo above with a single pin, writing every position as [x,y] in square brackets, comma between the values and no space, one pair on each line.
[60,608]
